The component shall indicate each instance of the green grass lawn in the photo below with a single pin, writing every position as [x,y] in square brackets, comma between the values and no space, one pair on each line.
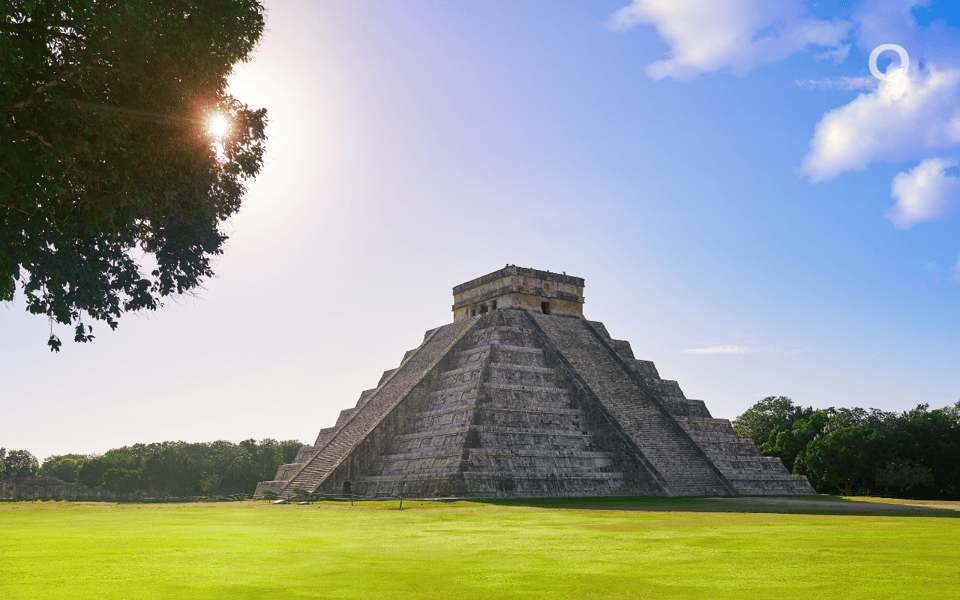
[602,548]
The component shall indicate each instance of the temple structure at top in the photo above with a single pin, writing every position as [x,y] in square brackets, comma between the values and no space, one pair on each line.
[516,287]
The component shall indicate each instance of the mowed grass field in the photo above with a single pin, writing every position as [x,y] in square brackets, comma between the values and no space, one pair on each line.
[603,548]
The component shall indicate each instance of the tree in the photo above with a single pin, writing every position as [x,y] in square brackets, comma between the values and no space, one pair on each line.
[121,481]
[170,471]
[903,476]
[788,443]
[93,470]
[845,459]
[106,164]
[20,464]
[289,450]
[227,469]
[64,467]
[931,439]
[915,454]
[758,421]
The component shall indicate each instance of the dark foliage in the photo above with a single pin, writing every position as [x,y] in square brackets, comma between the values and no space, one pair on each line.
[17,464]
[177,468]
[106,164]
[64,467]
[763,417]
[915,454]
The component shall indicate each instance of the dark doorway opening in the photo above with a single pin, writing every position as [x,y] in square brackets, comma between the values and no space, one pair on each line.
[545,308]
[347,490]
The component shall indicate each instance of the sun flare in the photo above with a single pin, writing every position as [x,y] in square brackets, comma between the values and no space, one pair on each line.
[218,126]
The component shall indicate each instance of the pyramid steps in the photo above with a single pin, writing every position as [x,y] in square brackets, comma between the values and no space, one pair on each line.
[392,389]
[740,461]
[521,397]
[513,420]
[653,430]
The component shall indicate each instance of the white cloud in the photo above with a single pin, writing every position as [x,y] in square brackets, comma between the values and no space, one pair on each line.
[839,83]
[903,119]
[923,194]
[722,350]
[955,271]
[736,35]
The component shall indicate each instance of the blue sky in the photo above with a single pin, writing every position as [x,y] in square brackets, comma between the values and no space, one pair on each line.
[750,207]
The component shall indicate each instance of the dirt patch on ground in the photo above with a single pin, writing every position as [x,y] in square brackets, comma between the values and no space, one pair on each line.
[793,504]
[849,504]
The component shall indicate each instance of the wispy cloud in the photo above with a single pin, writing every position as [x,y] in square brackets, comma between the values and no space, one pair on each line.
[734,35]
[838,83]
[723,350]
[837,55]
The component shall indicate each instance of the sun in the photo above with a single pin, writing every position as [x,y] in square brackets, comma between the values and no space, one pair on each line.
[218,126]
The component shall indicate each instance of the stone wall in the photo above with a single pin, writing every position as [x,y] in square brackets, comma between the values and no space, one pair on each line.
[51,488]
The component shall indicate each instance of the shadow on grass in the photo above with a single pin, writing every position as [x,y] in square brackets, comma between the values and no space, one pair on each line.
[814,505]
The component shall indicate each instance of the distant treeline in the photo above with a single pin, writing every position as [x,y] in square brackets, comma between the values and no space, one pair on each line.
[914,454]
[163,469]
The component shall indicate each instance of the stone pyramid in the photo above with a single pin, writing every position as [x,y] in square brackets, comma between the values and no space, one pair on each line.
[522,397]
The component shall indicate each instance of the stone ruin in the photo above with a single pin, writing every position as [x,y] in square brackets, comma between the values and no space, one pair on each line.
[51,488]
[521,396]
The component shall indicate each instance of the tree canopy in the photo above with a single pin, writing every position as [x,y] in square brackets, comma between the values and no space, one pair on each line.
[163,469]
[854,450]
[763,417]
[17,463]
[112,188]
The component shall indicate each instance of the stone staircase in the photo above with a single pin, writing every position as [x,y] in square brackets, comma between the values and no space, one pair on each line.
[498,422]
[660,438]
[356,424]
[738,460]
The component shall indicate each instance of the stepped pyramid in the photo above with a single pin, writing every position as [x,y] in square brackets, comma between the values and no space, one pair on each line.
[521,396]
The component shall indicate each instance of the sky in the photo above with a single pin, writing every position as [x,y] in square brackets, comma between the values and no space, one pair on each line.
[755,205]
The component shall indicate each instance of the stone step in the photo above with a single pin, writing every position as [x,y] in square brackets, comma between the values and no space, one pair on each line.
[684,407]
[504,473]
[502,335]
[551,409]
[472,356]
[453,389]
[727,449]
[797,486]
[493,430]
[390,392]
[345,415]
[455,378]
[494,485]
[514,387]
[707,426]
